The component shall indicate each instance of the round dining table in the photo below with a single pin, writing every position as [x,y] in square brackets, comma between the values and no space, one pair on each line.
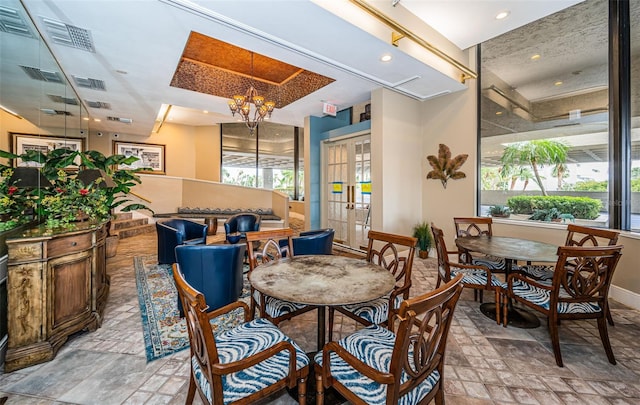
[511,250]
[322,280]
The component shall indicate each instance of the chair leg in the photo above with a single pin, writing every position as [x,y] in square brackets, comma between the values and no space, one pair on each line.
[604,336]
[439,398]
[302,391]
[191,393]
[480,294]
[505,310]
[609,317]
[331,314]
[319,390]
[555,339]
[475,294]
[498,305]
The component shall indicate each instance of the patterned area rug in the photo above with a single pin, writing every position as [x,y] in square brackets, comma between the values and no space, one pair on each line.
[164,331]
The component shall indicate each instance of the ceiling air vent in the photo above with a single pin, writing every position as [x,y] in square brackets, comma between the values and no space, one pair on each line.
[63,100]
[86,82]
[69,35]
[42,75]
[118,119]
[98,104]
[11,22]
[50,111]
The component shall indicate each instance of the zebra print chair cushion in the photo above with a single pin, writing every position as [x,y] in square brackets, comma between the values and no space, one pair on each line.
[541,297]
[542,274]
[375,311]
[373,346]
[275,307]
[473,276]
[241,342]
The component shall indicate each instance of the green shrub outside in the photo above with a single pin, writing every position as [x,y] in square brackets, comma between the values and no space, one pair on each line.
[579,207]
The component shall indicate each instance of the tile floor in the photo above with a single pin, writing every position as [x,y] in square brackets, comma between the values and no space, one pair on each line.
[486,363]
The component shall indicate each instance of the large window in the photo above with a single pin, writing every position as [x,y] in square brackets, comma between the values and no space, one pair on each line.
[267,159]
[544,121]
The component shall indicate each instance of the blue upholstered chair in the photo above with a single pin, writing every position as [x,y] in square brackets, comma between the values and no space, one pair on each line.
[175,232]
[315,242]
[240,365]
[214,270]
[237,226]
[395,253]
[401,365]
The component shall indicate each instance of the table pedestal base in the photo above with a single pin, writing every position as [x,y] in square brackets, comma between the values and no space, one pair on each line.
[517,317]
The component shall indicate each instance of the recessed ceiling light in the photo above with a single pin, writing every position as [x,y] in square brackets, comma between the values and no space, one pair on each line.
[85,118]
[205,111]
[97,119]
[498,112]
[386,58]
[558,83]
[535,57]
[502,15]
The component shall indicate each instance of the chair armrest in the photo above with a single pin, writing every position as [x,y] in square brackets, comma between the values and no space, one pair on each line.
[528,280]
[372,373]
[247,362]
[230,307]
[196,241]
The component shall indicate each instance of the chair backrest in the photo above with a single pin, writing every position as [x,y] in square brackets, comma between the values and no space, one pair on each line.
[584,236]
[201,338]
[474,226]
[242,223]
[423,325]
[174,232]
[270,248]
[383,250]
[441,252]
[583,275]
[316,242]
[214,270]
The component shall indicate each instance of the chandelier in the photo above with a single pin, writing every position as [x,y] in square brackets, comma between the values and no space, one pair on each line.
[241,104]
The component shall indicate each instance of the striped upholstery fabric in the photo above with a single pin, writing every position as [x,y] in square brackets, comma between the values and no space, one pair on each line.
[275,307]
[241,342]
[473,276]
[373,345]
[540,273]
[492,263]
[375,311]
[542,298]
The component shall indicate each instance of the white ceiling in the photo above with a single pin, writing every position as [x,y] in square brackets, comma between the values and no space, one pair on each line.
[138,44]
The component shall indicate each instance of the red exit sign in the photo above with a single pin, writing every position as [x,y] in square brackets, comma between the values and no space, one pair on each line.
[329,109]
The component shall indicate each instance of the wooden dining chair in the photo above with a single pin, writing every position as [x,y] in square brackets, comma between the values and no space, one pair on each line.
[242,365]
[473,276]
[478,226]
[576,236]
[402,364]
[395,253]
[263,247]
[579,290]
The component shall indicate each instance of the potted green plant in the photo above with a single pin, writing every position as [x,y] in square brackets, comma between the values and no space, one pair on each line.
[422,232]
[499,211]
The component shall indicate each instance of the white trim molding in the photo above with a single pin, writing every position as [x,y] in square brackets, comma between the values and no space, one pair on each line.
[625,297]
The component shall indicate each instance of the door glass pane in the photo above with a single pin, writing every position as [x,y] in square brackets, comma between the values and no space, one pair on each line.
[238,155]
[544,113]
[634,7]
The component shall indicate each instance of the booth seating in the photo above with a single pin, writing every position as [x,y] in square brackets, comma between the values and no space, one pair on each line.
[237,226]
[214,270]
[175,232]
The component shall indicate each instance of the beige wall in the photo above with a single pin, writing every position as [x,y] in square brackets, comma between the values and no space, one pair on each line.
[395,153]
[208,152]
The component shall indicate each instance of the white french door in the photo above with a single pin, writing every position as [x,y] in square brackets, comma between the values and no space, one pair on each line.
[348,189]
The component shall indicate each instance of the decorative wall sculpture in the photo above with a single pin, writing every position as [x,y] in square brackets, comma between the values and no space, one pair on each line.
[445,168]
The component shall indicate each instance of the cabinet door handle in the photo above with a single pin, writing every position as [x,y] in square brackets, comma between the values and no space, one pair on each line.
[74,243]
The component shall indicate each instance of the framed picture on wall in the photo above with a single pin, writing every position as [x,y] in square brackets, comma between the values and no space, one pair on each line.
[21,143]
[150,156]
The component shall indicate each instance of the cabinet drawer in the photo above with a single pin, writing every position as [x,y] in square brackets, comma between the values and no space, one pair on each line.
[67,245]
[20,252]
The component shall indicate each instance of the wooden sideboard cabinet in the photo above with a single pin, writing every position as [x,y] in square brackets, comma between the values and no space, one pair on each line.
[57,285]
